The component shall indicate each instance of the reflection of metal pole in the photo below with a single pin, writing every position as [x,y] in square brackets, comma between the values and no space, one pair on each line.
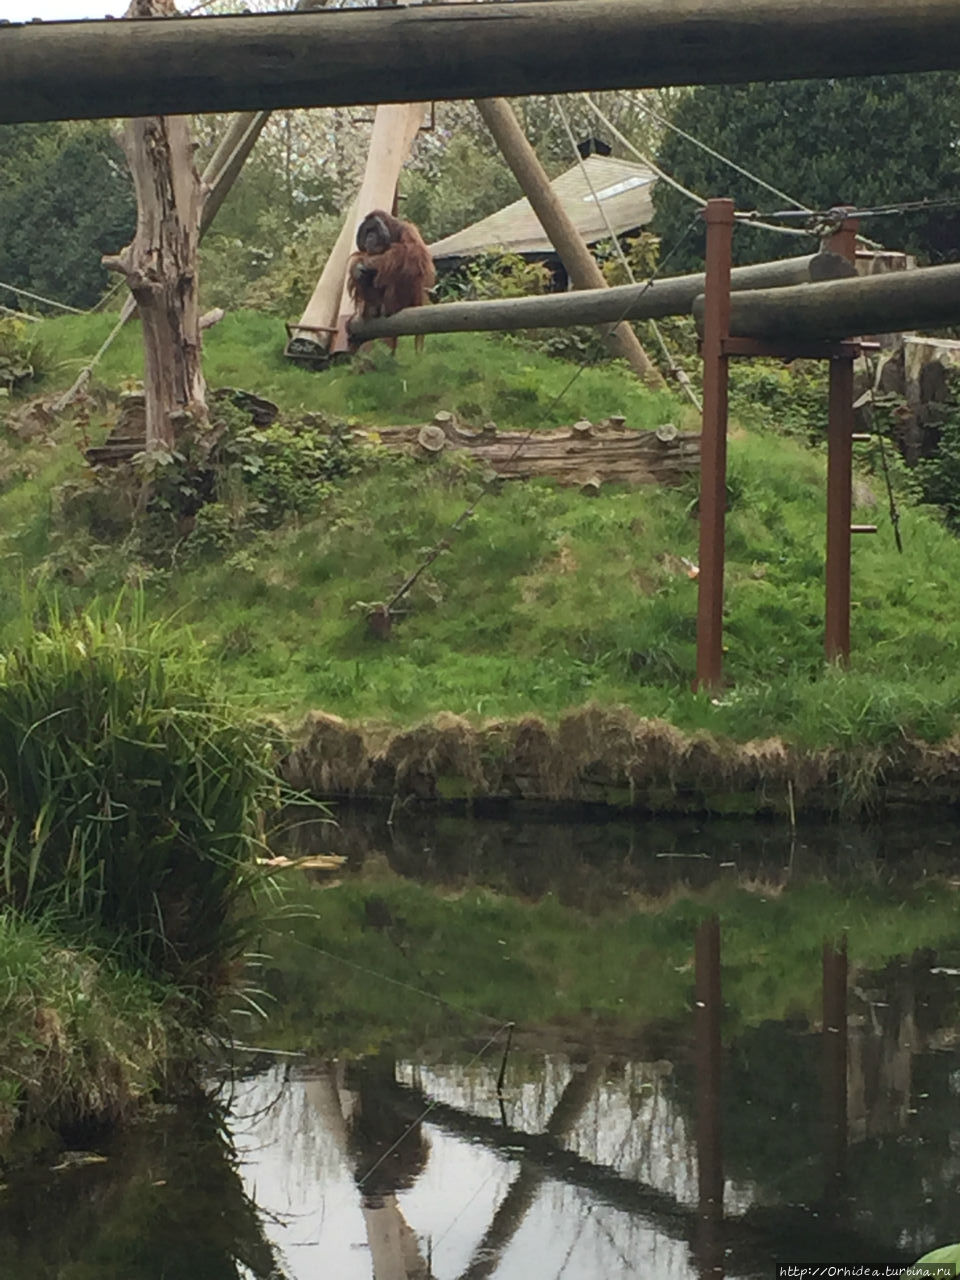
[709,1149]
[834,1067]
[707,1019]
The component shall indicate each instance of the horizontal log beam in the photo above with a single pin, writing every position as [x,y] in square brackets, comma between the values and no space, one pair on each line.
[671,296]
[925,299]
[594,453]
[84,70]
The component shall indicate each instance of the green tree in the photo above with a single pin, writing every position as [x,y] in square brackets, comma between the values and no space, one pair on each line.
[880,140]
[65,199]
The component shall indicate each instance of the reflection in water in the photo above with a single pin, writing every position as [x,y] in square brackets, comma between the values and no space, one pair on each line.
[783,1140]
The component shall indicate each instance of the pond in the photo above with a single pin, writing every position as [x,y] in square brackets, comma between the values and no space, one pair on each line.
[566,1147]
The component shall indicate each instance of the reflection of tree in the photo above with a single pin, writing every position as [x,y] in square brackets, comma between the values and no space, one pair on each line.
[388,1153]
[167,1201]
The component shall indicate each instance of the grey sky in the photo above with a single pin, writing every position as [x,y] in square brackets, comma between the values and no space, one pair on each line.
[54,10]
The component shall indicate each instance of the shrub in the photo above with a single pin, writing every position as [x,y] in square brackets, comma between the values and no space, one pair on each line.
[939,476]
[494,275]
[21,354]
[133,796]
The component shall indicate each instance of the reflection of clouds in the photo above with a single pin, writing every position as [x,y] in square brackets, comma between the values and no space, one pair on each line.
[291,1139]
[453,1202]
[568,1236]
[292,1166]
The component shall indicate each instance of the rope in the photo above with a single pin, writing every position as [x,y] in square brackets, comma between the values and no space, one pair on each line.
[722,158]
[876,211]
[624,141]
[397,982]
[679,375]
[427,1109]
[20,315]
[38,297]
[876,371]
[84,375]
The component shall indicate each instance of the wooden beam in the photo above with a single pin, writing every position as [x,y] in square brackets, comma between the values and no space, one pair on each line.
[924,299]
[85,70]
[580,264]
[670,296]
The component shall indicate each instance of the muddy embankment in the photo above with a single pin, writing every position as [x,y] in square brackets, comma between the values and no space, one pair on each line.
[614,759]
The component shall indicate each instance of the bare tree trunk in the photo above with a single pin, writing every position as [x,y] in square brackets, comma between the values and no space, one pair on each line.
[161,262]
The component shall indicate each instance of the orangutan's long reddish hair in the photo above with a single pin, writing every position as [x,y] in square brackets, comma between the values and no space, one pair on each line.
[392,268]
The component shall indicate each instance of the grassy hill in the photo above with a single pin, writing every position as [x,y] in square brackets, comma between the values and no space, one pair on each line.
[546,599]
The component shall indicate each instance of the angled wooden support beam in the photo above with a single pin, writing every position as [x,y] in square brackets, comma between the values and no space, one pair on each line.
[579,262]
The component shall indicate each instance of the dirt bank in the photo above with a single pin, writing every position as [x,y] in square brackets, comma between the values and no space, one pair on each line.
[611,757]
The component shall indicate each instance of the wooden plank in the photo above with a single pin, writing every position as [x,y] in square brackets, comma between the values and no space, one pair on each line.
[85,70]
[927,298]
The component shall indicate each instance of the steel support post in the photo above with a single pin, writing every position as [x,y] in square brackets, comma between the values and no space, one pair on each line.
[713,444]
[839,482]
[839,508]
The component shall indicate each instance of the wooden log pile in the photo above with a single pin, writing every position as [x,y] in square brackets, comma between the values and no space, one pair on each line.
[586,454]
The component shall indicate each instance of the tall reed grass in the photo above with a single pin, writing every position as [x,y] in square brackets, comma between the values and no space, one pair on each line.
[132,796]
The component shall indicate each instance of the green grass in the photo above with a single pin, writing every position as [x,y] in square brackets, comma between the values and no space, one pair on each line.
[471,374]
[546,599]
[537,963]
[133,795]
[81,1039]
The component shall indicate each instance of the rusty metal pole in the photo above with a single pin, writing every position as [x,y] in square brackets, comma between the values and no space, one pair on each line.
[840,481]
[708,1007]
[713,444]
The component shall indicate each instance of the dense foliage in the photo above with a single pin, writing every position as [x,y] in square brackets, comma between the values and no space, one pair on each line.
[871,141]
[66,199]
[133,795]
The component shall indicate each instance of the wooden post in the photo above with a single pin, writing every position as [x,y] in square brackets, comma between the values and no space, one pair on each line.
[580,263]
[839,506]
[839,482]
[713,445]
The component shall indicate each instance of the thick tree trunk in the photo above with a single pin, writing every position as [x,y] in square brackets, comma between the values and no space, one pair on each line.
[161,262]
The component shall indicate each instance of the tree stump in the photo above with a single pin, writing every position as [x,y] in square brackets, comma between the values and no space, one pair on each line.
[432,439]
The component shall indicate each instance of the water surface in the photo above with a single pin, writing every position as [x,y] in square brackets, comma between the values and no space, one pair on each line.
[581,1160]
